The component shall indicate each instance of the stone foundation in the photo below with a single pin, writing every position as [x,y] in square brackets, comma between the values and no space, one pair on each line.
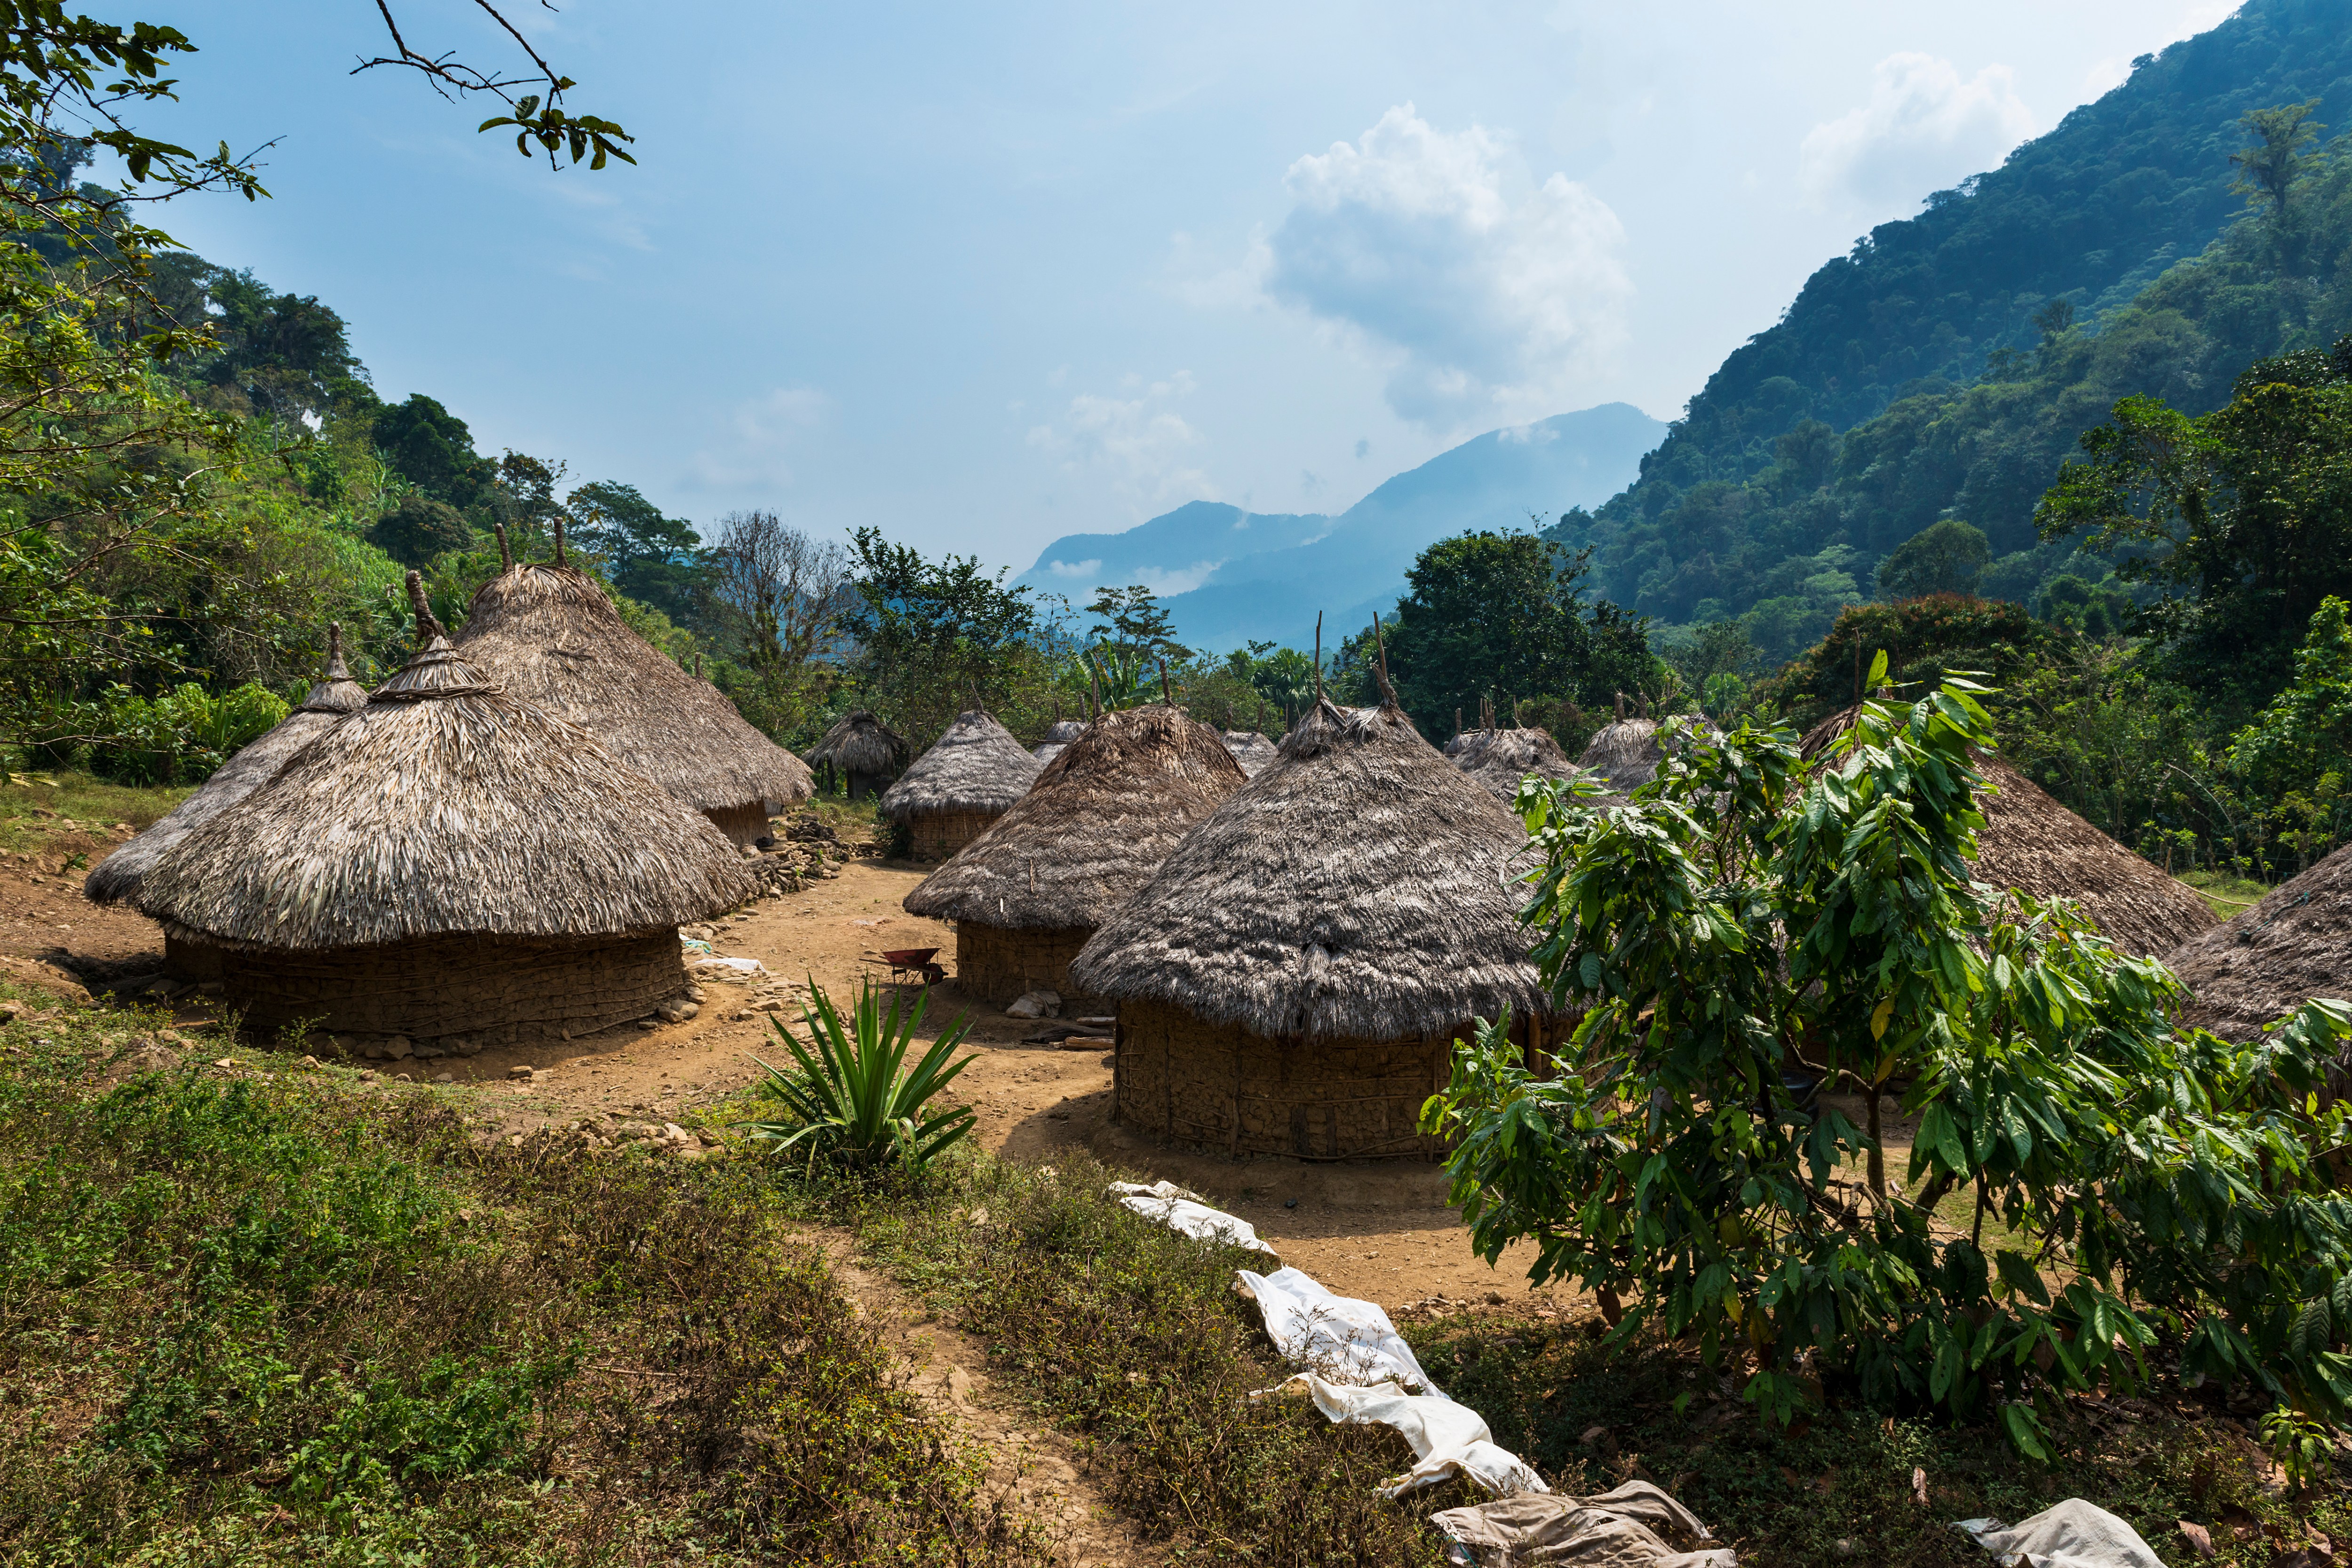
[941,835]
[492,991]
[1228,1091]
[1000,962]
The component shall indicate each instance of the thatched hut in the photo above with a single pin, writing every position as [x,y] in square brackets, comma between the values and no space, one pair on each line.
[1064,731]
[1253,751]
[1496,760]
[1026,894]
[1625,754]
[116,876]
[969,777]
[861,750]
[1292,979]
[2031,843]
[448,861]
[552,637]
[2263,962]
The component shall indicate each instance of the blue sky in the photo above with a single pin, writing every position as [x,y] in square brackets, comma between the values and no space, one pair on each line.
[982,277]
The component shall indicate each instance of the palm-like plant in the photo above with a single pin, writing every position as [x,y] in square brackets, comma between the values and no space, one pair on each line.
[849,1095]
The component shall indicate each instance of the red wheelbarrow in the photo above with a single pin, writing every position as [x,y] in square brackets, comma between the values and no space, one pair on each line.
[909,964]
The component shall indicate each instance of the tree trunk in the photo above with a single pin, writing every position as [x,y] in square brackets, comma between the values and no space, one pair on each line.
[1877,1155]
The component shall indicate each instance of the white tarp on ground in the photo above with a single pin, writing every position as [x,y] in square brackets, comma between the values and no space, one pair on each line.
[2074,1534]
[1337,1337]
[1447,1439]
[1165,1203]
[1635,1526]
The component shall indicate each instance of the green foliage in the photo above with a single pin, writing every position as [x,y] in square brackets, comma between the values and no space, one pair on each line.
[431,449]
[935,637]
[1735,937]
[853,1098]
[1131,621]
[652,558]
[2292,761]
[419,528]
[1923,639]
[1947,557]
[181,736]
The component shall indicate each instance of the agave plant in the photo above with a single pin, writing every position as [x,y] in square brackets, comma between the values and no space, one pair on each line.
[848,1094]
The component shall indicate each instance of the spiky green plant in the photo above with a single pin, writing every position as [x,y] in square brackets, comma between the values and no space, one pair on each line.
[849,1096]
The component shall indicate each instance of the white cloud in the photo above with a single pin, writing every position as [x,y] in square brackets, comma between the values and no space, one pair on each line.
[1138,445]
[760,432]
[1087,568]
[1492,301]
[1924,128]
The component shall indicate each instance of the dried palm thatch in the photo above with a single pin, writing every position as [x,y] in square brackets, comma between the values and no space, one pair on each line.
[1253,751]
[1625,754]
[1092,829]
[2263,964]
[1064,731]
[118,875]
[1354,890]
[862,749]
[2034,843]
[445,806]
[1496,760]
[976,765]
[552,637]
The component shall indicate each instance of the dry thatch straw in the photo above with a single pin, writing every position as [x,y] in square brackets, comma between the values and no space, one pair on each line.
[1352,891]
[968,779]
[1092,829]
[118,875]
[552,637]
[1064,731]
[1496,760]
[860,748]
[1253,751]
[2031,843]
[1625,754]
[445,806]
[2263,964]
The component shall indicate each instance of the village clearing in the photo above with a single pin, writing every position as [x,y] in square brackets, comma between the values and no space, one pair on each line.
[646,1349]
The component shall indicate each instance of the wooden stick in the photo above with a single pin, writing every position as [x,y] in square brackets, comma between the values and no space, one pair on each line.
[505,551]
[1388,692]
[1318,656]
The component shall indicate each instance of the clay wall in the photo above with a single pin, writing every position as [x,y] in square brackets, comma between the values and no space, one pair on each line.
[1000,962]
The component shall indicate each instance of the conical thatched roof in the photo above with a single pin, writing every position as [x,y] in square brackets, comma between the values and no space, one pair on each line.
[2263,964]
[2032,843]
[1626,755]
[1092,829]
[1498,759]
[1253,751]
[446,806]
[116,876]
[1064,731]
[976,765]
[1352,889]
[552,637]
[858,742]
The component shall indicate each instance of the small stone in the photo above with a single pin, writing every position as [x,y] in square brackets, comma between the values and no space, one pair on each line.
[1035,1004]
[1843,1546]
[374,1051]
[745,1017]
[674,1132]
[309,1064]
[769,1004]
[428,1051]
[522,1072]
[398,1048]
[367,1075]
[443,1078]
[647,1024]
[1494,1298]
[696,993]
[227,1062]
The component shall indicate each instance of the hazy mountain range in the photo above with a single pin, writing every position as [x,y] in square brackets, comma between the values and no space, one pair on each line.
[1230,576]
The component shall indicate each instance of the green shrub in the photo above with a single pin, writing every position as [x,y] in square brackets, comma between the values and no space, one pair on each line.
[179,737]
[850,1100]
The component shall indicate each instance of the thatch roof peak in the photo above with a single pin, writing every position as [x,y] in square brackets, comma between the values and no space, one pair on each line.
[1253,751]
[1354,890]
[553,635]
[1064,731]
[1498,758]
[975,765]
[2033,842]
[858,742]
[334,691]
[445,806]
[2263,962]
[1625,754]
[1098,822]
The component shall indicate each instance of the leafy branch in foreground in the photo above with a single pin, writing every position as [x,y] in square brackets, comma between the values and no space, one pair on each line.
[849,1096]
[2086,1184]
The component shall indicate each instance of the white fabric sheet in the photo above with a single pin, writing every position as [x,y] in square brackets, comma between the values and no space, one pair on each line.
[1336,1337]
[2074,1534]
[1634,1526]
[1165,1203]
[1447,1439]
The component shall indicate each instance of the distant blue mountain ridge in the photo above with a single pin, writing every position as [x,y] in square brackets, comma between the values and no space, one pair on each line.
[1229,577]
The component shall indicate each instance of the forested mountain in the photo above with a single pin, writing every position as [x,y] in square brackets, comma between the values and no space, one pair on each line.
[1944,368]
[1231,577]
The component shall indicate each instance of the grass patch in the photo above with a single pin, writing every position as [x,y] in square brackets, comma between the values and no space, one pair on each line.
[2226,894]
[248,1317]
[1131,1337]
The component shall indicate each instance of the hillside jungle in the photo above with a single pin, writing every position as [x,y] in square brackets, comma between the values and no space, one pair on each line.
[259,1307]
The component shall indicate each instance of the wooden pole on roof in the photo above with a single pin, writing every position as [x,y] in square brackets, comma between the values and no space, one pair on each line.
[1094,688]
[1380,642]
[559,539]
[427,627]
[505,550]
[1319,657]
[1167,693]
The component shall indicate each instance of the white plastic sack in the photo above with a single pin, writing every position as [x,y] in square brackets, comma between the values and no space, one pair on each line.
[1447,1439]
[1336,1337]
[1634,1526]
[731,967]
[1165,1203]
[2074,1534]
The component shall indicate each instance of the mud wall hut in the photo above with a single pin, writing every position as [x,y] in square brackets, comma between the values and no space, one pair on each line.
[451,864]
[552,637]
[2263,964]
[116,879]
[2032,843]
[860,751]
[1292,979]
[1026,894]
[955,791]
